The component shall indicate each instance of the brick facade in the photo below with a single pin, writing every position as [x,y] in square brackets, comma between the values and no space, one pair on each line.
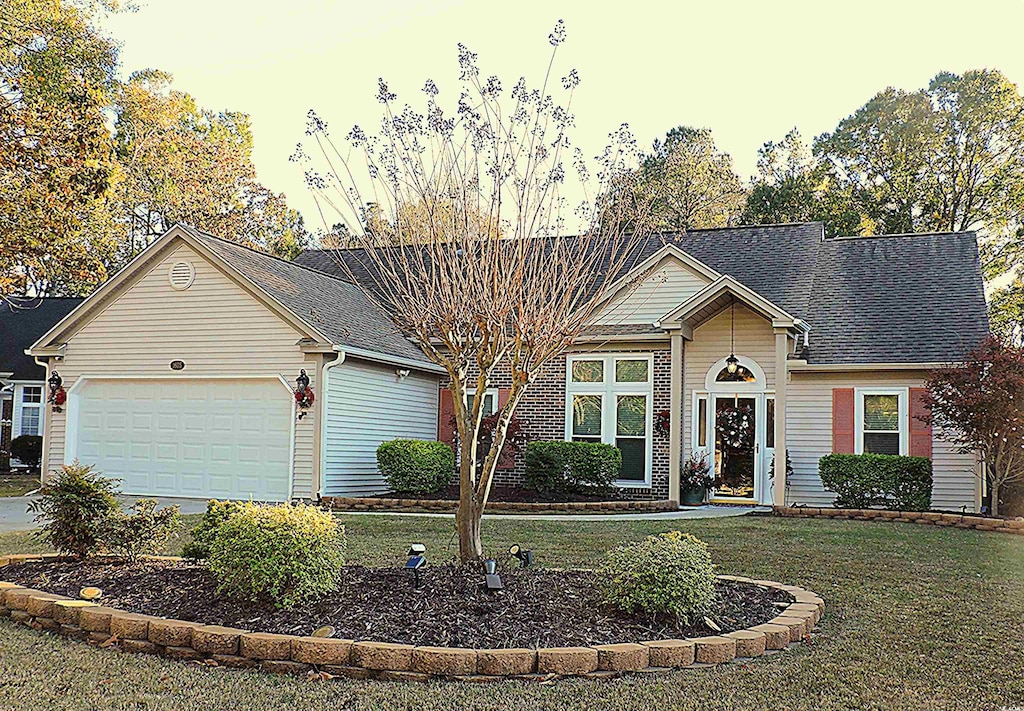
[542,413]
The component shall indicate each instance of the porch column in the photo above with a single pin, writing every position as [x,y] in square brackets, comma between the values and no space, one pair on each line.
[781,380]
[675,428]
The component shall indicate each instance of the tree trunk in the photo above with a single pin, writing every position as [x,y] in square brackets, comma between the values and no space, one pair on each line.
[467,520]
[995,498]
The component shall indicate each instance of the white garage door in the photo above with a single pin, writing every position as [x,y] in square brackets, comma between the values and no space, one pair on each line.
[188,437]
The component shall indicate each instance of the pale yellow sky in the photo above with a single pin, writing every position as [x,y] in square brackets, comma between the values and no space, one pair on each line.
[749,70]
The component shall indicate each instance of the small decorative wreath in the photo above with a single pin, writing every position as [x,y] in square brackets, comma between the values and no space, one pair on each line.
[305,397]
[736,427]
[662,423]
[57,398]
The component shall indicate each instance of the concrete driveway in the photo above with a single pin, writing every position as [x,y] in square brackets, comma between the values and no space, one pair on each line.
[14,514]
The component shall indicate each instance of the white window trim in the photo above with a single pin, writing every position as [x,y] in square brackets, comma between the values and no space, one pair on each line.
[493,392]
[609,390]
[903,395]
[20,406]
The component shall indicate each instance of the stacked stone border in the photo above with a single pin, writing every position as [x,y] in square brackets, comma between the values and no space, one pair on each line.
[327,657]
[340,503]
[929,518]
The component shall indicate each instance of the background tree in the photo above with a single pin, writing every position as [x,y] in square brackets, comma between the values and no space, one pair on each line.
[980,408]
[56,77]
[91,168]
[484,278]
[685,182]
[792,185]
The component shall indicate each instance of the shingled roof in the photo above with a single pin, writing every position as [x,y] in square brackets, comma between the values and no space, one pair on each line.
[889,299]
[331,305]
[21,323]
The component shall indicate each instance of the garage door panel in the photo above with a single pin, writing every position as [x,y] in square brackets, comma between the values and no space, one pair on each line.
[202,438]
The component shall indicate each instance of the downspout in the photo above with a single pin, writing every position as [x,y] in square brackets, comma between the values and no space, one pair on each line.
[44,461]
[322,414]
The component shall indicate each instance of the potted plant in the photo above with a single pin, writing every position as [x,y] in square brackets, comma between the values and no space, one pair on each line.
[696,479]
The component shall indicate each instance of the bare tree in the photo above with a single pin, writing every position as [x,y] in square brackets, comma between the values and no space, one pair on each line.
[472,261]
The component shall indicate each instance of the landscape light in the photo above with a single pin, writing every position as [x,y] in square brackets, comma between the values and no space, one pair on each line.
[90,593]
[525,557]
[417,561]
[324,632]
[492,581]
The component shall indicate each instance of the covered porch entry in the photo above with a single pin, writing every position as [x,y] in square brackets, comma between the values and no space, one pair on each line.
[729,350]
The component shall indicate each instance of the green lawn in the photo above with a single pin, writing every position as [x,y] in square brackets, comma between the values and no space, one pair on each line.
[918,618]
[18,484]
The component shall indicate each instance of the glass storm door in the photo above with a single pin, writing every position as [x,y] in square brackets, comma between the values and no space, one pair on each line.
[736,447]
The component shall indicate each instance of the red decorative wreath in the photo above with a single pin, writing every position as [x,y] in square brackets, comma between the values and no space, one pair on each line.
[57,398]
[662,422]
[304,397]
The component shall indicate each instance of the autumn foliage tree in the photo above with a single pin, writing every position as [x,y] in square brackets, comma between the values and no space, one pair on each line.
[470,255]
[979,406]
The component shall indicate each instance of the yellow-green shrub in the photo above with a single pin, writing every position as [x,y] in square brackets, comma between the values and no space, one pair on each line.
[287,553]
[667,573]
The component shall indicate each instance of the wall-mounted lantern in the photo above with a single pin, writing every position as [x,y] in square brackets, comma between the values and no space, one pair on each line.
[58,396]
[303,393]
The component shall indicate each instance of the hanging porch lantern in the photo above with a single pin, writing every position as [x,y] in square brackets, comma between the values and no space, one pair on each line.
[732,363]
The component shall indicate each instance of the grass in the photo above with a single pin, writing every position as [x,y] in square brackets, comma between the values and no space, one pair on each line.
[12,484]
[918,618]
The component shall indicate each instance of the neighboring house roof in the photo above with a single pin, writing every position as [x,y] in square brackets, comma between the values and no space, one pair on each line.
[20,325]
[335,307]
[889,299]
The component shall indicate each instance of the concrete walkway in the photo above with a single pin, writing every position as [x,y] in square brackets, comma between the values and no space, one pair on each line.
[14,514]
[707,511]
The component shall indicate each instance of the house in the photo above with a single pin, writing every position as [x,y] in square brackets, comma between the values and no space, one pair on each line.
[22,380]
[746,343]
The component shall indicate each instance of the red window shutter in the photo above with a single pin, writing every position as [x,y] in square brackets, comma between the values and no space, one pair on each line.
[920,432]
[445,418]
[507,460]
[842,420]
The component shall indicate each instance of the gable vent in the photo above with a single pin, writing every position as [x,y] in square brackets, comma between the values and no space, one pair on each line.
[181,275]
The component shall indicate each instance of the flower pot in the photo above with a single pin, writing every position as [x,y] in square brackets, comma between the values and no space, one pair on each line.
[694,497]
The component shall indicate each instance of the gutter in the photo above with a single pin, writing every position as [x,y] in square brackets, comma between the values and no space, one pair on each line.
[390,360]
[798,366]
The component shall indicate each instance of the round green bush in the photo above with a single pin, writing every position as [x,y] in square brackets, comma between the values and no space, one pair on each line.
[415,466]
[28,449]
[668,573]
[72,507]
[288,553]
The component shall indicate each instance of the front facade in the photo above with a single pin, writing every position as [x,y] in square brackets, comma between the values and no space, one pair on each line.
[833,340]
[744,346]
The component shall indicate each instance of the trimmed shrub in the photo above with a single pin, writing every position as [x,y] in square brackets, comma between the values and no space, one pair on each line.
[861,481]
[416,466]
[72,509]
[668,573]
[287,553]
[217,512]
[28,449]
[572,467]
[140,530]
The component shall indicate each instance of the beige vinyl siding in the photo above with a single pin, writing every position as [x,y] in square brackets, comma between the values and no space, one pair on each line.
[809,437]
[215,326]
[368,404]
[670,285]
[755,339]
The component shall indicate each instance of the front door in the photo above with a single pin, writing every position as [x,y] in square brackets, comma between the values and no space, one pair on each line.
[736,447]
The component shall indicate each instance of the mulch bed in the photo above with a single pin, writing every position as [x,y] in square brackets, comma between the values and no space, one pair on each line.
[506,494]
[538,608]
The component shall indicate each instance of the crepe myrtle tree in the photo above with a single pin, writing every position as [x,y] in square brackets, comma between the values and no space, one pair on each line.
[979,406]
[462,222]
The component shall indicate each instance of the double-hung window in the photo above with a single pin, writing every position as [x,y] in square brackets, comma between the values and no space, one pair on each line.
[882,421]
[608,399]
[31,409]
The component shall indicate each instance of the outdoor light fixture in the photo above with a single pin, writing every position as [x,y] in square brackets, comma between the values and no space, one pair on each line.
[90,593]
[492,581]
[731,363]
[525,557]
[417,561]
